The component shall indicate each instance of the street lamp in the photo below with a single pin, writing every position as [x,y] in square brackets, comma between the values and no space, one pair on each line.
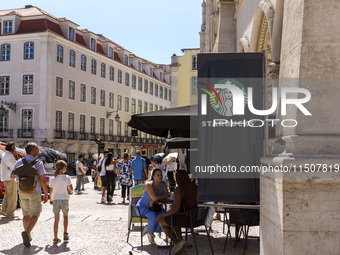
[12,106]
[108,114]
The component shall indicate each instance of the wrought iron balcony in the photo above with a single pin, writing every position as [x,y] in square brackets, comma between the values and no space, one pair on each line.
[83,136]
[72,135]
[59,134]
[25,133]
[6,133]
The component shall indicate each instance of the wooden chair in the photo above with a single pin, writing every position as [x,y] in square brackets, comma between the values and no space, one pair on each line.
[136,193]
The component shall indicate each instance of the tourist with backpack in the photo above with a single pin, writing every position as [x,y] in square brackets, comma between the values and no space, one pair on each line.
[31,176]
[61,188]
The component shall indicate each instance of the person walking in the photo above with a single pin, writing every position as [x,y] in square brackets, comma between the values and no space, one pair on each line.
[148,165]
[9,204]
[101,174]
[31,202]
[60,189]
[110,176]
[80,172]
[138,165]
[125,175]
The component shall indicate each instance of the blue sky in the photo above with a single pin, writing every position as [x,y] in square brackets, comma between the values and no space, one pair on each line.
[151,29]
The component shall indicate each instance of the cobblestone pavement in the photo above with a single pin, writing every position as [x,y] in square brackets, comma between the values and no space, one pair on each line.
[96,228]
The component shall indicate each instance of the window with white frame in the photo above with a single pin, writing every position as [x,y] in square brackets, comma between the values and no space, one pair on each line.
[102,126]
[127,79]
[111,127]
[93,125]
[94,66]
[139,66]
[28,50]
[165,93]
[59,87]
[71,90]
[27,84]
[8,26]
[146,86]
[151,71]
[151,88]
[82,93]
[194,62]
[110,52]
[102,97]
[126,129]
[111,100]
[71,121]
[103,70]
[119,128]
[194,85]
[60,54]
[4,85]
[82,123]
[133,105]
[140,84]
[161,76]
[133,85]
[72,58]
[83,63]
[120,76]
[139,107]
[161,91]
[156,90]
[146,107]
[93,95]
[71,34]
[150,107]
[27,119]
[93,44]
[58,120]
[112,73]
[5,52]
[119,102]
[127,104]
[4,122]
[126,60]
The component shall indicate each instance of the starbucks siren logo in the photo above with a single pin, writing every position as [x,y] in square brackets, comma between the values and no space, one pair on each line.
[224,88]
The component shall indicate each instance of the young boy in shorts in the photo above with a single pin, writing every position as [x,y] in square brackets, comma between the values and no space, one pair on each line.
[60,189]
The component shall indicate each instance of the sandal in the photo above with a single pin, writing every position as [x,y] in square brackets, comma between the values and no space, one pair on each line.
[56,240]
[66,237]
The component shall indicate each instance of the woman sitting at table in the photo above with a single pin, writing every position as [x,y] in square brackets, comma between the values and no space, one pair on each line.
[185,199]
[148,207]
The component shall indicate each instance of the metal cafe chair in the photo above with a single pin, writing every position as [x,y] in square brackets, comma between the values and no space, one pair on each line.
[136,193]
[196,219]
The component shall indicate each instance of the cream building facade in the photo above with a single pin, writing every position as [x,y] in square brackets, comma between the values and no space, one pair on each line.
[62,86]
[301,41]
[184,77]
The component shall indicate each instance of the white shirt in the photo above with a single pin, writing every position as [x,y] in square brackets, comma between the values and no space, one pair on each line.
[102,163]
[59,185]
[79,165]
[7,164]
[172,166]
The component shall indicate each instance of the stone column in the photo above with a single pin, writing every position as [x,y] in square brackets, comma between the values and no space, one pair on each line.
[301,215]
[226,40]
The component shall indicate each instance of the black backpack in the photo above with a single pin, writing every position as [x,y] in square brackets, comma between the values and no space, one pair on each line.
[26,173]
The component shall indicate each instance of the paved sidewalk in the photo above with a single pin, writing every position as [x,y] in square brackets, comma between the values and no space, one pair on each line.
[96,228]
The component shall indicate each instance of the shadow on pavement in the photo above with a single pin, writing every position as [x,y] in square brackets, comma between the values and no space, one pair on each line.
[21,249]
[56,249]
[5,220]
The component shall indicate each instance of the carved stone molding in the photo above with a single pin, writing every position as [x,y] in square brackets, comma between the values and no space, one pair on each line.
[238,5]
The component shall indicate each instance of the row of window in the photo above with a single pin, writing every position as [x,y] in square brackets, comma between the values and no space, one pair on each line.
[6,51]
[83,62]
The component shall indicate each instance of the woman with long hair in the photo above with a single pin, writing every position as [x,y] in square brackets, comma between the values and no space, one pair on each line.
[110,176]
[185,199]
[155,190]
[125,175]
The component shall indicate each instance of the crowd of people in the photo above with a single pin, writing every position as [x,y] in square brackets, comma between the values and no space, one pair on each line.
[109,171]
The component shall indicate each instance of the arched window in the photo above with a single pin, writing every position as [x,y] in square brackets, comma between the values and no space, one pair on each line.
[83,63]
[29,50]
[72,58]
[5,52]
[60,54]
[94,66]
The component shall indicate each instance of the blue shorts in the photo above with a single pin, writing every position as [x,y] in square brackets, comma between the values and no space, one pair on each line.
[60,205]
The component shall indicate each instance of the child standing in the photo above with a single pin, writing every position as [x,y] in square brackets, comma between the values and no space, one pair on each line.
[60,189]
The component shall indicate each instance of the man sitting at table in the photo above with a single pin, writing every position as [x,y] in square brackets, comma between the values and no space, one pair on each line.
[185,199]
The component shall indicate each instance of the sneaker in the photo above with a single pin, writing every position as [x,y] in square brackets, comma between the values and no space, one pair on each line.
[181,246]
[109,199]
[151,238]
[103,200]
[145,230]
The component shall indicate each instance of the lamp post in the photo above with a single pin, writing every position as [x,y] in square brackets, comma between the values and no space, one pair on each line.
[117,118]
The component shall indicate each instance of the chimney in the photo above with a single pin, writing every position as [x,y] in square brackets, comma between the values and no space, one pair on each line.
[28,6]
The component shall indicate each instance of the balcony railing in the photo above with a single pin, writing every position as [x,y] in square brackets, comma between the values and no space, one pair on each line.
[25,133]
[6,133]
[59,134]
[83,136]
[72,135]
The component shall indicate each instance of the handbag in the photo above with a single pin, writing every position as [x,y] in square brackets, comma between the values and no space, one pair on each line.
[156,207]
[86,179]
